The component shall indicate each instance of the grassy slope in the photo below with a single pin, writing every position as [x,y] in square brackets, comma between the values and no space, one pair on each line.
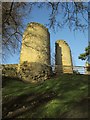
[65,96]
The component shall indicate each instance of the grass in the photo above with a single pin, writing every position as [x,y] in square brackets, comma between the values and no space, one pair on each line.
[62,97]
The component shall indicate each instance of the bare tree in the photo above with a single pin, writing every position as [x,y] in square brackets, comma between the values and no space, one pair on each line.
[61,13]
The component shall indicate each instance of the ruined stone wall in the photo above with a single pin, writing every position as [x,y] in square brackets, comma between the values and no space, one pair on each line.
[35,53]
[63,59]
[87,65]
[10,70]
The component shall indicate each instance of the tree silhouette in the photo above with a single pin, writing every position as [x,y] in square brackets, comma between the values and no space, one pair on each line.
[60,14]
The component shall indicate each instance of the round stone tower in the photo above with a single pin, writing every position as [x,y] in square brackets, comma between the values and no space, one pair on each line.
[63,59]
[35,53]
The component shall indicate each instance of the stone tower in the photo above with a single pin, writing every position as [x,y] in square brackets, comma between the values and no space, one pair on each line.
[35,53]
[63,59]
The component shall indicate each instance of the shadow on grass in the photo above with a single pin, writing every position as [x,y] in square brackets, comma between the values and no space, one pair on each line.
[9,80]
[53,98]
[21,104]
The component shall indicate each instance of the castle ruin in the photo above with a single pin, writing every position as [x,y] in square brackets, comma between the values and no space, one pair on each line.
[34,64]
[35,53]
[63,58]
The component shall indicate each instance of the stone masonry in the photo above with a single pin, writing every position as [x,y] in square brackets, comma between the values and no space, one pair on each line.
[63,59]
[35,53]
[34,64]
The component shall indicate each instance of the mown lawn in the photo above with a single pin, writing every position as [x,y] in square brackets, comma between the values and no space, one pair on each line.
[62,97]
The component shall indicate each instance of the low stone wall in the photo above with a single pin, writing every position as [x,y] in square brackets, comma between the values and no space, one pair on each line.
[29,72]
[9,70]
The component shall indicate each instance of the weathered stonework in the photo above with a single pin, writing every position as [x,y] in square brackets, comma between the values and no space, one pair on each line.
[35,53]
[31,72]
[10,70]
[34,62]
[87,65]
[63,59]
